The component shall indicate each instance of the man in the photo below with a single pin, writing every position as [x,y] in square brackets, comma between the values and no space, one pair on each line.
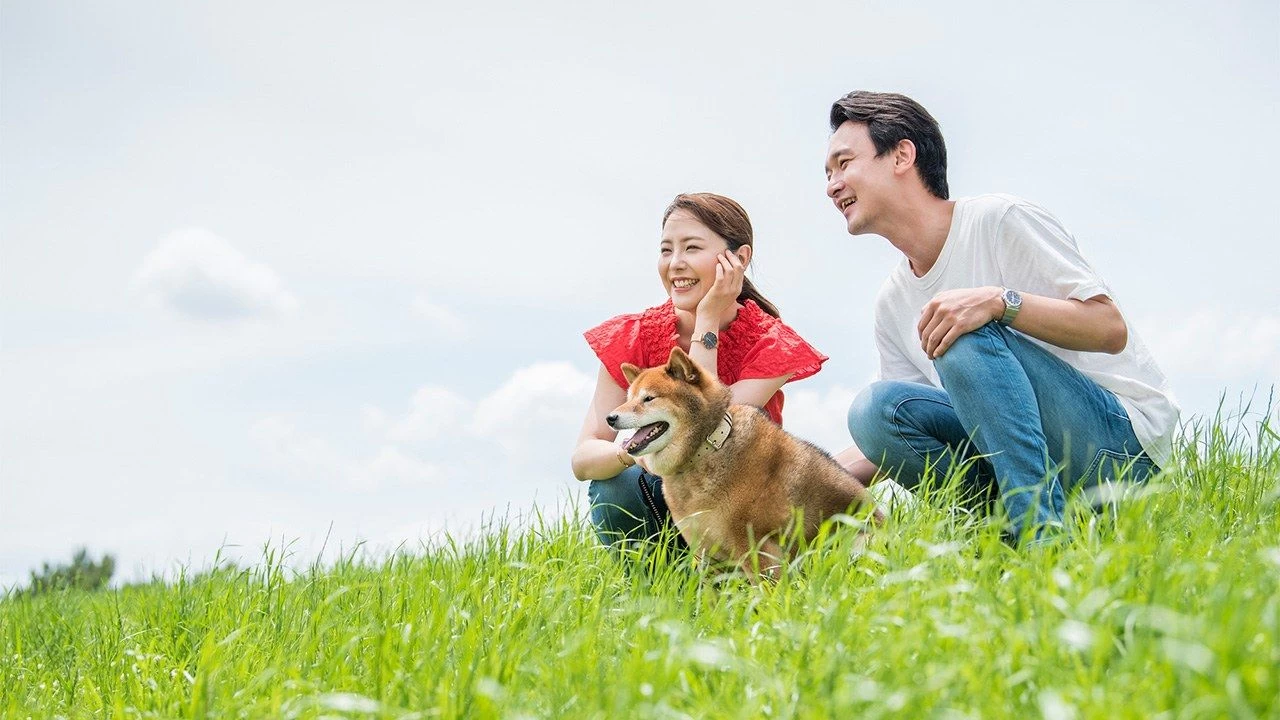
[999,344]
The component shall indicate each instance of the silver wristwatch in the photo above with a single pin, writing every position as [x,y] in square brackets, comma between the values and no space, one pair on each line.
[1012,304]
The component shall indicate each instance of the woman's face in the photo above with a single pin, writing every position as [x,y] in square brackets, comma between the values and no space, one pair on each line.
[687,259]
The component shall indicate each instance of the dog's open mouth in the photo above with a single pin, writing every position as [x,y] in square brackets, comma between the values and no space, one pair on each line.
[644,436]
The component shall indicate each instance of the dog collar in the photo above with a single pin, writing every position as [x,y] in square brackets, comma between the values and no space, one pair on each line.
[717,438]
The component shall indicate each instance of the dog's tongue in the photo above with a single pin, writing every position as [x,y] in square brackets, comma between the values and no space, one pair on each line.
[644,436]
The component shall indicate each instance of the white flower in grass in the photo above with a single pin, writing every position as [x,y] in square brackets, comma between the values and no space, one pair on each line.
[1061,579]
[913,574]
[932,551]
[1189,654]
[709,654]
[1053,707]
[348,702]
[1272,555]
[490,688]
[1076,635]
[864,690]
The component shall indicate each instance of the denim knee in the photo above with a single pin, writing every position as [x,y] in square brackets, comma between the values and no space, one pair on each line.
[871,418]
[967,354]
[617,509]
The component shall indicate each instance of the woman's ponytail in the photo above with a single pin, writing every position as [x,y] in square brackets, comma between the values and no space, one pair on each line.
[749,292]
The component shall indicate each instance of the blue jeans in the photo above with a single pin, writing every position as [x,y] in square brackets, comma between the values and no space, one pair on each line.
[1038,428]
[629,507]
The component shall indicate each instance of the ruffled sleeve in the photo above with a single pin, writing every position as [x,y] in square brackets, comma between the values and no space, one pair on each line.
[616,341]
[779,350]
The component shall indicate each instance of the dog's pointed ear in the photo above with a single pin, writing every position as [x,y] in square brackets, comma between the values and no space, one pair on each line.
[682,367]
[630,372]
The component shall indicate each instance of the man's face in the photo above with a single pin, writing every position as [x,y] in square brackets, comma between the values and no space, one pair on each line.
[857,181]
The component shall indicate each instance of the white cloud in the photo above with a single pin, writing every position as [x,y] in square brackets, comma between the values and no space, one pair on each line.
[819,416]
[296,453]
[199,275]
[1229,345]
[373,419]
[434,411]
[440,318]
[537,403]
[391,466]
[532,418]
[301,457]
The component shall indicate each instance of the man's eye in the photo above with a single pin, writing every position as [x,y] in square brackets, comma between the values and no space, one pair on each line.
[843,163]
[665,251]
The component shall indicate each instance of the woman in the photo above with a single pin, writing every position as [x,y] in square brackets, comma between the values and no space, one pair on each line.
[716,315]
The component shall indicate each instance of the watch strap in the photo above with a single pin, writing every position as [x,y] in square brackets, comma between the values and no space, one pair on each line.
[1011,308]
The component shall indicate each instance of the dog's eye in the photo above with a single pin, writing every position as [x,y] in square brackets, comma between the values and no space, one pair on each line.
[646,398]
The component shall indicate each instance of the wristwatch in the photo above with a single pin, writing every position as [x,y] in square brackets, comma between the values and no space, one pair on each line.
[709,340]
[1012,304]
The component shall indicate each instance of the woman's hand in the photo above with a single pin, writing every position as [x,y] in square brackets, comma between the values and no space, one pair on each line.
[643,462]
[730,271]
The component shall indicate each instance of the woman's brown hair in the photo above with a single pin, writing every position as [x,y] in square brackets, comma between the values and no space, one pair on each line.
[727,219]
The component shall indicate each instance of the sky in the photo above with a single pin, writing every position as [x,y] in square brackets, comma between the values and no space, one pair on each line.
[315,274]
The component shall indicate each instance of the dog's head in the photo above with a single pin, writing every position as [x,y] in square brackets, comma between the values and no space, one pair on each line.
[665,401]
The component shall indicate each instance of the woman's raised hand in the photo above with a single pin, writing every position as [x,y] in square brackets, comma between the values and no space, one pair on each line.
[730,271]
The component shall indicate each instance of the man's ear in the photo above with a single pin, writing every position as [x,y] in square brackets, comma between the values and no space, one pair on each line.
[682,367]
[630,372]
[904,156]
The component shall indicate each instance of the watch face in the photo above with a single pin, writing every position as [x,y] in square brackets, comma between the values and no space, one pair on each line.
[1012,298]
[709,340]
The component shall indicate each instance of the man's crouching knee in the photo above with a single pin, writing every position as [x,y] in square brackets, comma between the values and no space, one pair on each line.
[871,417]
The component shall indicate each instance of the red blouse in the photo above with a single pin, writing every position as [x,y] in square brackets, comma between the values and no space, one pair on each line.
[756,345]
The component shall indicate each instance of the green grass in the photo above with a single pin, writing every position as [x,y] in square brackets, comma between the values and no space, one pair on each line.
[1166,605]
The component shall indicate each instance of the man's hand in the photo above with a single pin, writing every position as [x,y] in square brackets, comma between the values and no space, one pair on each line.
[953,313]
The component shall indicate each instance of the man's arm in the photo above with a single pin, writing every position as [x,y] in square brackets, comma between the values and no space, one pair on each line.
[856,464]
[1092,325]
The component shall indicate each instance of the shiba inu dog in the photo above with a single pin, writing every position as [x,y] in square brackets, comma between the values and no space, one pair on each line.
[731,477]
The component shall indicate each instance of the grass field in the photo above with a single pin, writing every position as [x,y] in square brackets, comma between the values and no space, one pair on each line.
[1165,605]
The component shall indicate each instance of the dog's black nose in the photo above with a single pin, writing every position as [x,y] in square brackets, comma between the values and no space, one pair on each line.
[612,420]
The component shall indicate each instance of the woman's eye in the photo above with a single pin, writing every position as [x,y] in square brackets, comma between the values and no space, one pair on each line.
[665,251]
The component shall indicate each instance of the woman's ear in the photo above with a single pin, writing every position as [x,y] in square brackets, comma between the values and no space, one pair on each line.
[744,254]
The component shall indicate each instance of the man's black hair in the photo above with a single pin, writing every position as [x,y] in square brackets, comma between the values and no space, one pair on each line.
[890,118]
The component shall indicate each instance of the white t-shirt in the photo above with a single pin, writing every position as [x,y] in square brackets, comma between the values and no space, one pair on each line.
[1006,241]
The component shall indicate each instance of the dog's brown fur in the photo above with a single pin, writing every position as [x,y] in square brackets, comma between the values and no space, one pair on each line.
[744,495]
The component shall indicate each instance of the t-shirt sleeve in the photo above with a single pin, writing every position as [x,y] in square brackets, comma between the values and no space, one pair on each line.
[616,341]
[1037,255]
[781,351]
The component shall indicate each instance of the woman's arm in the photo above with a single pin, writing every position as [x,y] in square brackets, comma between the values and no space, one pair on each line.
[596,456]
[757,391]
